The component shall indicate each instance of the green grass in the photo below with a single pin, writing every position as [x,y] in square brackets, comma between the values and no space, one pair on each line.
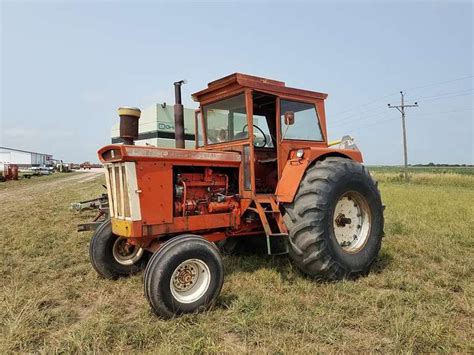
[417,299]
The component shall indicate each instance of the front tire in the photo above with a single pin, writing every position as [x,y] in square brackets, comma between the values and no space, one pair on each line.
[184,276]
[112,256]
[336,220]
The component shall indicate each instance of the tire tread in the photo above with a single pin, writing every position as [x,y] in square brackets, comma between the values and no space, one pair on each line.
[306,216]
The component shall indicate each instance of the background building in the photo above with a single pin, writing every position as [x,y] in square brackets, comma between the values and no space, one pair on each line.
[24,158]
[156,127]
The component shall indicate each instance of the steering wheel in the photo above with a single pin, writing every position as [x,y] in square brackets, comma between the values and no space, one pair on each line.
[263,134]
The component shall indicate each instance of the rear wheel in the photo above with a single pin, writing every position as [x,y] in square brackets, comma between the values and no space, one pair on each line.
[184,276]
[113,256]
[336,220]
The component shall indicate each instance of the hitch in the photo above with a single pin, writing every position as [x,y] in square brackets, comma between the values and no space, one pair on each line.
[101,204]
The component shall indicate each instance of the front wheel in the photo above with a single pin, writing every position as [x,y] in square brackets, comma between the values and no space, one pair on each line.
[113,256]
[184,276]
[336,221]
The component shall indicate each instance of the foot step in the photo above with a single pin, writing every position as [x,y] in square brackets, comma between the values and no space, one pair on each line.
[277,243]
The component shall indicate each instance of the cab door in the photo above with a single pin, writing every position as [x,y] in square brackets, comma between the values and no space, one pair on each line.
[299,131]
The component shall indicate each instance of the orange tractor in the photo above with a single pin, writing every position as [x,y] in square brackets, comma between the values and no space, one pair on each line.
[262,168]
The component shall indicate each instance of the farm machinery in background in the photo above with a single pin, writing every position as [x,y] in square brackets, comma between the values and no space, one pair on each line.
[99,205]
[8,172]
[87,165]
[262,168]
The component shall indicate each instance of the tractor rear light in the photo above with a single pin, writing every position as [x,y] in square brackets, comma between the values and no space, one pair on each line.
[299,153]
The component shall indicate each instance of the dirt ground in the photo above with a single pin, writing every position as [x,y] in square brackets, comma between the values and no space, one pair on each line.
[24,189]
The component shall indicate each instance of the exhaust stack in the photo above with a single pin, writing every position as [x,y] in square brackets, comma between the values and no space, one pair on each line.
[178,115]
[129,117]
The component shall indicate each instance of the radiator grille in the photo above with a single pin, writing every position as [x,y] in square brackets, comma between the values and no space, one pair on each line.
[118,190]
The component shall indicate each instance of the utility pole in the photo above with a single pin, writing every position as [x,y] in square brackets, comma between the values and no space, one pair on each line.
[401,108]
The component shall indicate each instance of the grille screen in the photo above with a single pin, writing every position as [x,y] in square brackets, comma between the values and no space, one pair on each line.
[117,186]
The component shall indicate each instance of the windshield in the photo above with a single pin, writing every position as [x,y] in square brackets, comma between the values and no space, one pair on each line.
[226,120]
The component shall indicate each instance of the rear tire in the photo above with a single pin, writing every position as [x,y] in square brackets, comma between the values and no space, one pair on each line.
[184,276]
[108,257]
[336,220]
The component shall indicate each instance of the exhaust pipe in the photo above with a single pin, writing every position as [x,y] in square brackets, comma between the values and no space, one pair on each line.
[178,115]
[129,117]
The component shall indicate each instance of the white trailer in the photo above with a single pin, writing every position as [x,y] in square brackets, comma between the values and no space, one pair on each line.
[156,127]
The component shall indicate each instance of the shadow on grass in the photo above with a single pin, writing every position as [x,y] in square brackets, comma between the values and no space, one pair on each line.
[382,262]
[252,257]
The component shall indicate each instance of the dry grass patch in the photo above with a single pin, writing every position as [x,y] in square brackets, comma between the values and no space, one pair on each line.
[418,299]
[446,179]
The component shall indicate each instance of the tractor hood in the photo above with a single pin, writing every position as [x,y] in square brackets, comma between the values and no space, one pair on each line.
[120,153]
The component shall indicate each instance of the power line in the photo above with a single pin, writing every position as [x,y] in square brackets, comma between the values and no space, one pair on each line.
[440,83]
[442,97]
[360,118]
[377,110]
[357,125]
[373,112]
[348,119]
[447,93]
[373,123]
[443,113]
[357,118]
[377,120]
[389,95]
[363,105]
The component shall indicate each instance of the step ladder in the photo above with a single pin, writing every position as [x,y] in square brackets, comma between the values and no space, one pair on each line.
[272,220]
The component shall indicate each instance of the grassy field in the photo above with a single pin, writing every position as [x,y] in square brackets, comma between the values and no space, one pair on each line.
[415,170]
[418,298]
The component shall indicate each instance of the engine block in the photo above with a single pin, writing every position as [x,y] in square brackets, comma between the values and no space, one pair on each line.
[203,193]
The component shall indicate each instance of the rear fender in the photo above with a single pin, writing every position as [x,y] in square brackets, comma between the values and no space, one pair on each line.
[290,179]
[295,168]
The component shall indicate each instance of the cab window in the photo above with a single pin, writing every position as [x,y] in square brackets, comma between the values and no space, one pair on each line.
[226,120]
[306,121]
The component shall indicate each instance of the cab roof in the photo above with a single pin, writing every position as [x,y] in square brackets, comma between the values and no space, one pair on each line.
[235,81]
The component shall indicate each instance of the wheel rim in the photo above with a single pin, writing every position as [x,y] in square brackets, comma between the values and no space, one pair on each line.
[125,253]
[351,222]
[190,281]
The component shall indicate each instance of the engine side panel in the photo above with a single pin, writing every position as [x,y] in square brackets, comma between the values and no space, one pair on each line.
[155,183]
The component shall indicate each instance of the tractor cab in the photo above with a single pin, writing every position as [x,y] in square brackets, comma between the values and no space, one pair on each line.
[269,124]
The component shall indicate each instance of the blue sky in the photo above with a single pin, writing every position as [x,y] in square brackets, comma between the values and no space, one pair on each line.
[67,66]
